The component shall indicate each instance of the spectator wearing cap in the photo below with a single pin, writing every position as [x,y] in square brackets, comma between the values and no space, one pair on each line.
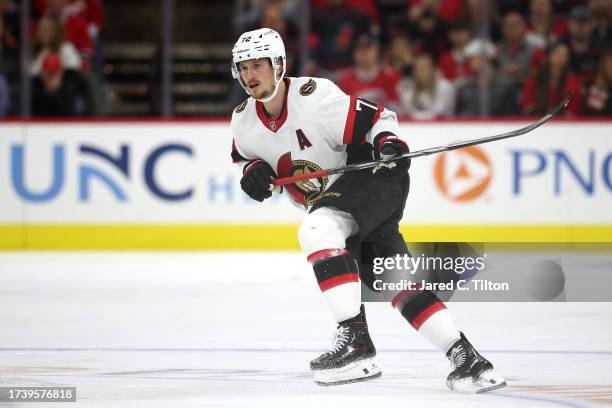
[58,91]
[502,93]
[584,56]
[514,52]
[453,64]
[543,27]
[599,97]
[544,90]
[368,78]
[427,95]
[50,39]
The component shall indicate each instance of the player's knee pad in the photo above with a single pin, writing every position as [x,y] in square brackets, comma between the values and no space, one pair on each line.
[325,229]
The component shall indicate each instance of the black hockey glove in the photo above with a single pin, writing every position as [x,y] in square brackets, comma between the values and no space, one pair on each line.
[256,180]
[388,146]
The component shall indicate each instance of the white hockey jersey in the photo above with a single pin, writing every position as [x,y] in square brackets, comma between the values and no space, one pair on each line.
[317,123]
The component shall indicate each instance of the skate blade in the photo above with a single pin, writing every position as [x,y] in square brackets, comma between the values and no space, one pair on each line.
[362,370]
[488,381]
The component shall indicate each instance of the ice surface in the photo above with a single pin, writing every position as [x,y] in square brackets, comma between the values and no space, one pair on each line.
[213,329]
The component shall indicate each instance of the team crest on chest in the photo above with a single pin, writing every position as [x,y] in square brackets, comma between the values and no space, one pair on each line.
[273,125]
[312,188]
[308,88]
[241,107]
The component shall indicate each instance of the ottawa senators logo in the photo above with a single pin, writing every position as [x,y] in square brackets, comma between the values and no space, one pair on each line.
[241,107]
[312,188]
[308,88]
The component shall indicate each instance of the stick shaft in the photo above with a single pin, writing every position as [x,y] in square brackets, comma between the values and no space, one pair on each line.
[426,152]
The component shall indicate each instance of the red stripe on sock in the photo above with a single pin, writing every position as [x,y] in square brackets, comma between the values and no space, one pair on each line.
[325,253]
[400,297]
[338,280]
[426,314]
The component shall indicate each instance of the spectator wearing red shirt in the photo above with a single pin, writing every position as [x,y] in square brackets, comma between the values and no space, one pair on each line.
[368,78]
[454,64]
[543,91]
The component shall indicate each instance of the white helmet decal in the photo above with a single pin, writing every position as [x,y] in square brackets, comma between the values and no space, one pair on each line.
[261,43]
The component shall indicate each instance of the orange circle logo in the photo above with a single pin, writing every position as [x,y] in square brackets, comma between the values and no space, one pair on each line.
[464,174]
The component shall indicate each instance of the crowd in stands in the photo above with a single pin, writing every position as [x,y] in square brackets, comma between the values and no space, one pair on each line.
[431,60]
[428,59]
[65,72]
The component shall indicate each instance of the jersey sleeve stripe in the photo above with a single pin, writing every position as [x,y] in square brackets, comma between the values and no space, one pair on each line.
[361,117]
[350,122]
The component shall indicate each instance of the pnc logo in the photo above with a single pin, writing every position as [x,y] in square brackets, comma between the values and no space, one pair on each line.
[463,175]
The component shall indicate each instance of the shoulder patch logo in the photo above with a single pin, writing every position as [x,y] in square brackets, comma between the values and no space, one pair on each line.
[241,107]
[308,88]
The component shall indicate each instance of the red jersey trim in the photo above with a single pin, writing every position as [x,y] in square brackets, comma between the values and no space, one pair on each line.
[350,122]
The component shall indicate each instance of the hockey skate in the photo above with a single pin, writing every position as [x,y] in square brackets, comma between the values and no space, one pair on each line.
[352,357]
[472,373]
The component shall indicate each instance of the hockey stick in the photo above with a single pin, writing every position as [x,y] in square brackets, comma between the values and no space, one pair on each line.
[426,152]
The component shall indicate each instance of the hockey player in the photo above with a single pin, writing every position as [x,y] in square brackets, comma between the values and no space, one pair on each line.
[290,126]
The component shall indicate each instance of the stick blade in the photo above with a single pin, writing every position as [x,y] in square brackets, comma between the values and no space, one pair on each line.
[564,103]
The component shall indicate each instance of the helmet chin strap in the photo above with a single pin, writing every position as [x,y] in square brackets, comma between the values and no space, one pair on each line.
[269,98]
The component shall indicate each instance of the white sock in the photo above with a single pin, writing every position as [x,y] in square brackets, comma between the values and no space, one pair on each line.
[439,329]
[344,300]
